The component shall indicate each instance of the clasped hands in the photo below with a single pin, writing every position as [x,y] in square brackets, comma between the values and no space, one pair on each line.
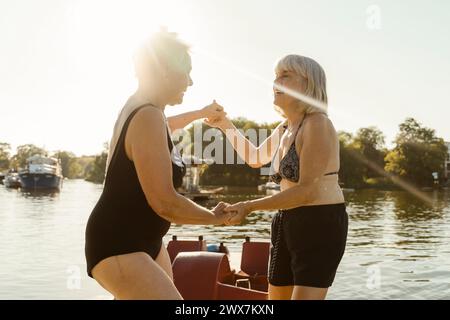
[214,115]
[228,214]
[231,214]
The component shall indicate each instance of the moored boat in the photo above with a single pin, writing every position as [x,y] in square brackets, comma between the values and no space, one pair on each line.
[12,180]
[42,173]
[269,186]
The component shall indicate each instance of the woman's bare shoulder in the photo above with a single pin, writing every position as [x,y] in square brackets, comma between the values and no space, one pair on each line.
[147,119]
[147,124]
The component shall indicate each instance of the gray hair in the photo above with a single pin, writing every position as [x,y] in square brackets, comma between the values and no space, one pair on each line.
[316,81]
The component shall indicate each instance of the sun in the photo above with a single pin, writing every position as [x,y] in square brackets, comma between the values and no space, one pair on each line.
[102,36]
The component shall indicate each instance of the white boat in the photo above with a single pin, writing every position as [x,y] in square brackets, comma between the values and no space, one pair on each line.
[269,186]
[12,180]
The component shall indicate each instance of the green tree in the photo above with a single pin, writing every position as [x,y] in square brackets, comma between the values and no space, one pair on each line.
[5,155]
[75,169]
[417,154]
[370,142]
[24,152]
[235,174]
[86,164]
[352,166]
[96,172]
[67,161]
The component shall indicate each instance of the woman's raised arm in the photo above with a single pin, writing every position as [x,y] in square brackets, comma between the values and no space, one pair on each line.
[254,156]
[146,144]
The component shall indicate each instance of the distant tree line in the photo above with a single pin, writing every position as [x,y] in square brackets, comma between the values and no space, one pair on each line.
[237,173]
[365,160]
[416,154]
[90,168]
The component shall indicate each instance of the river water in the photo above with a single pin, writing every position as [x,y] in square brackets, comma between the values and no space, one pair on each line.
[398,247]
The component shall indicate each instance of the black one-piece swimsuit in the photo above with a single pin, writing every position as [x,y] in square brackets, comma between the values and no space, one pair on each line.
[122,220]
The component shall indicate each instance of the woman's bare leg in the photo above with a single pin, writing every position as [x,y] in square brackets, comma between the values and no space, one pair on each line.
[280,292]
[163,259]
[135,276]
[309,293]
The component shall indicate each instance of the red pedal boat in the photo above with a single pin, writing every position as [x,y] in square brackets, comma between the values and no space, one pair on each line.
[202,275]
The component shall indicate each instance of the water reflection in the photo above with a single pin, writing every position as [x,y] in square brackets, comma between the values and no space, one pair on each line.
[366,205]
[40,194]
[412,209]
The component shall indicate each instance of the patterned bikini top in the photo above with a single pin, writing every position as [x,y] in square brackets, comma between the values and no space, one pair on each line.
[289,165]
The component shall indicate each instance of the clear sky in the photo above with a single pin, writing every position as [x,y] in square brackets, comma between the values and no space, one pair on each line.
[65,66]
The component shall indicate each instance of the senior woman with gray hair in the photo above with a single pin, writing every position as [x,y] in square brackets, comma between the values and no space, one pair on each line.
[309,231]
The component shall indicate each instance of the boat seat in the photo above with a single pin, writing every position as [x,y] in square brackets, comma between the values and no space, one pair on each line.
[176,246]
[255,264]
[206,276]
[229,292]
